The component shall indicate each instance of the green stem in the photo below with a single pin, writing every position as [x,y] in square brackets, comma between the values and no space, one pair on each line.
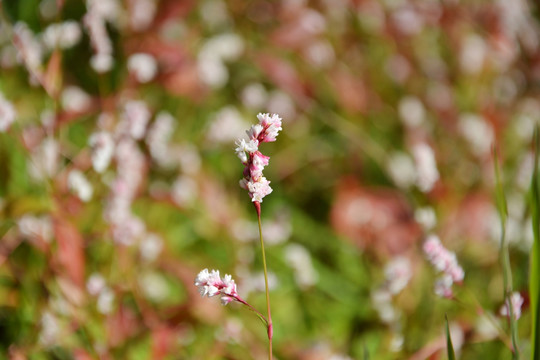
[269,328]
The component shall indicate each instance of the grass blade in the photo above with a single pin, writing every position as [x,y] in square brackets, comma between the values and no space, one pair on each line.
[504,255]
[534,275]
[449,346]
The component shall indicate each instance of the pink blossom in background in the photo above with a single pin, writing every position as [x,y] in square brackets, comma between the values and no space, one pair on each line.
[443,261]
[517,301]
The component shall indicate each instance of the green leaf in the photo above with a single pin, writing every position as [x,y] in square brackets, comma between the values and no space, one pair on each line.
[449,346]
[534,276]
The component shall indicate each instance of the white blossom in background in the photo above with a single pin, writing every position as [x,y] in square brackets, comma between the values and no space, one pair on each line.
[97,287]
[280,102]
[276,231]
[426,217]
[382,302]
[254,96]
[109,10]
[407,19]
[478,132]
[7,114]
[141,14]
[102,62]
[150,247]
[225,125]
[8,56]
[102,145]
[485,328]
[95,284]
[255,282]
[401,169]
[127,228]
[213,55]
[44,159]
[158,137]
[99,13]
[184,191]
[36,228]
[143,66]
[299,259]
[135,119]
[154,286]
[49,329]
[62,35]
[78,183]
[411,111]
[214,13]
[29,48]
[312,21]
[74,99]
[188,158]
[48,9]
[212,72]
[518,23]
[473,54]
[398,68]
[517,301]
[320,54]
[426,167]
[398,273]
[105,301]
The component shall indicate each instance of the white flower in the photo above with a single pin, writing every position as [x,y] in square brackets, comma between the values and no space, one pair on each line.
[259,189]
[143,66]
[74,99]
[95,284]
[7,114]
[211,284]
[102,145]
[299,259]
[63,35]
[150,247]
[398,273]
[136,117]
[79,184]
[426,167]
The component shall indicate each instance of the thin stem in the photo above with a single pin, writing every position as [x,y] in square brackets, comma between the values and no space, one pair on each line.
[242,301]
[270,328]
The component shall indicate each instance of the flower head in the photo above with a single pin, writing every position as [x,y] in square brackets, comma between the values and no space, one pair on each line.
[443,261]
[211,284]
[254,161]
[516,300]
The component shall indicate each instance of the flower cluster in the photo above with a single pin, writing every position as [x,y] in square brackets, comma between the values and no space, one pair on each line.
[211,284]
[446,262]
[517,301]
[254,161]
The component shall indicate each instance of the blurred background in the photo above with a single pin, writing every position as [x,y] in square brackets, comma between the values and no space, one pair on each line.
[119,181]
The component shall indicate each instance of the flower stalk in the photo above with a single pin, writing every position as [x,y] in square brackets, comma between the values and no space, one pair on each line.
[270,328]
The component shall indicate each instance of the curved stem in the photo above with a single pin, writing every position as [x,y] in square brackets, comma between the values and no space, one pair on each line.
[261,316]
[270,328]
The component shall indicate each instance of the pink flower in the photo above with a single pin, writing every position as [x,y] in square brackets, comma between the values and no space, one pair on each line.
[517,300]
[443,261]
[254,161]
[211,284]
